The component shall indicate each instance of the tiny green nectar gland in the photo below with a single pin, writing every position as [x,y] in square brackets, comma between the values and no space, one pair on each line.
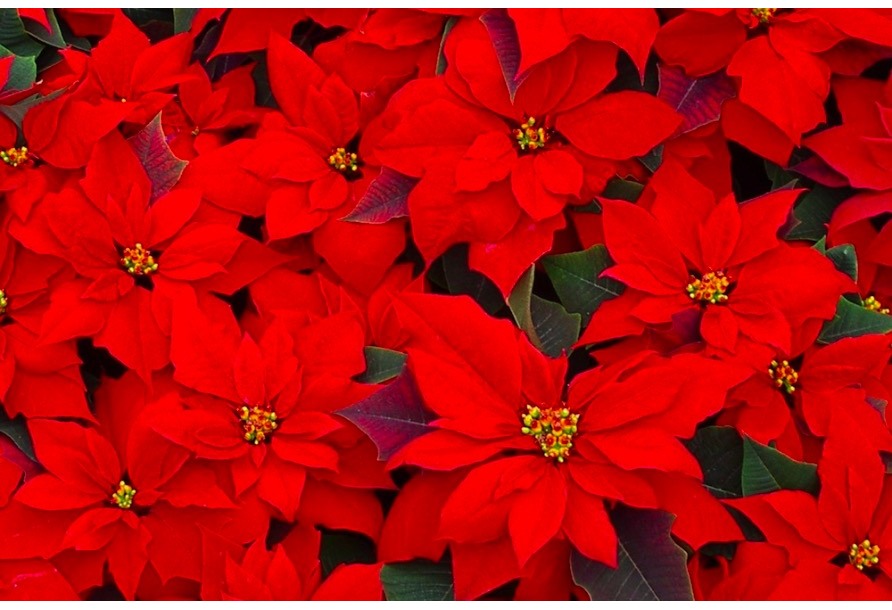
[15,156]
[783,375]
[530,137]
[138,261]
[711,288]
[344,161]
[4,302]
[873,304]
[864,555]
[257,422]
[123,498]
[553,429]
[764,15]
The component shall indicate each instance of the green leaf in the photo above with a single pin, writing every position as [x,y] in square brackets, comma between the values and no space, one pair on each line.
[650,566]
[461,279]
[16,112]
[780,178]
[627,190]
[813,212]
[719,451]
[417,581]
[52,38]
[22,73]
[441,57]
[162,166]
[338,548]
[844,259]
[547,324]
[182,19]
[17,432]
[766,469]
[381,364]
[654,159]
[575,279]
[853,320]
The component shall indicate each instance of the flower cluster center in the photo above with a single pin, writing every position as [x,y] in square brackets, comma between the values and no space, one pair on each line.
[15,156]
[4,302]
[258,422]
[765,16]
[123,498]
[138,261]
[553,429]
[864,555]
[344,161]
[873,304]
[711,288]
[784,375]
[530,137]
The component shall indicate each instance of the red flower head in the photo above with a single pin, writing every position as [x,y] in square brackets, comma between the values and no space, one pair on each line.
[720,261]
[528,466]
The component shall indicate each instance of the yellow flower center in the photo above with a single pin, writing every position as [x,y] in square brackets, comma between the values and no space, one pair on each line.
[553,429]
[864,555]
[4,302]
[257,422]
[344,161]
[764,15]
[123,498]
[873,304]
[139,261]
[530,137]
[15,156]
[711,288]
[784,375]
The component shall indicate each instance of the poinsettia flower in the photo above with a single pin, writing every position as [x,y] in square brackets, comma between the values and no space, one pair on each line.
[205,110]
[812,382]
[125,78]
[290,571]
[834,542]
[783,58]
[134,258]
[498,167]
[528,465]
[264,419]
[127,500]
[691,255]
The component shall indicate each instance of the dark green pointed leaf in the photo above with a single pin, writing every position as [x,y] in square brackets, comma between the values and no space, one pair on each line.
[339,548]
[52,38]
[22,73]
[461,279]
[853,320]
[719,450]
[417,581]
[17,432]
[182,19]
[650,566]
[391,417]
[16,112]
[575,279]
[766,469]
[441,57]
[381,364]
[162,166]
[627,190]
[547,324]
[780,178]
[844,259]
[654,159]
[813,212]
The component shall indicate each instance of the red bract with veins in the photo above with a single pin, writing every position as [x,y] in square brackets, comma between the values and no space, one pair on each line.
[718,263]
[518,467]
[834,542]
[498,166]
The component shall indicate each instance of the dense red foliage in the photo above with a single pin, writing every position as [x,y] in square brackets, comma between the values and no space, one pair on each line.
[368,304]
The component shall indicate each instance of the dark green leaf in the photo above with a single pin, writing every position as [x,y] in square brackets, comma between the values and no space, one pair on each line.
[381,364]
[654,159]
[162,166]
[650,566]
[22,73]
[182,19]
[780,178]
[547,325]
[461,279]
[441,57]
[627,190]
[853,320]
[17,432]
[575,279]
[16,112]
[766,469]
[52,38]
[844,259]
[813,212]
[719,451]
[417,581]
